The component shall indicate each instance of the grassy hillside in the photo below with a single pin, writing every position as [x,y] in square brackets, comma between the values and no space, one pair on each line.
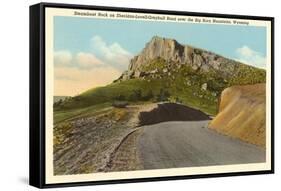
[168,82]
[136,90]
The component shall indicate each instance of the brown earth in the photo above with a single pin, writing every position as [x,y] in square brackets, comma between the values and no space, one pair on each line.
[242,114]
[87,144]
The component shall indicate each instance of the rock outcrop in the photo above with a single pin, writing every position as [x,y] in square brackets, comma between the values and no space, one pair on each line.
[242,113]
[173,52]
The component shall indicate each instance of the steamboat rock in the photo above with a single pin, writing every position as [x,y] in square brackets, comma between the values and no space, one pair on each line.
[177,54]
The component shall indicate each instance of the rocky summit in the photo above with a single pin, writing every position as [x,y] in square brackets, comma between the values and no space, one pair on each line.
[176,54]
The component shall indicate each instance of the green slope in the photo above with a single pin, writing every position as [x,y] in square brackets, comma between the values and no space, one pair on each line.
[180,84]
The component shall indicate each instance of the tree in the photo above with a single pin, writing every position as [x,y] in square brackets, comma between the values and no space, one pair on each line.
[163,95]
[120,97]
[178,100]
[148,96]
[136,95]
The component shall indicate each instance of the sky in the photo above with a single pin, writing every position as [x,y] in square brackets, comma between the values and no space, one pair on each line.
[91,52]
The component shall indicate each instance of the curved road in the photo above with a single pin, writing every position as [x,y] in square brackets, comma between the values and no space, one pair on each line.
[185,144]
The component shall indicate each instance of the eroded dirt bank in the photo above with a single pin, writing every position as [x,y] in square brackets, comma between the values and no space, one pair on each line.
[242,114]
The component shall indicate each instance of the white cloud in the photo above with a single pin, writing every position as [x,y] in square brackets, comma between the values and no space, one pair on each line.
[62,58]
[75,73]
[82,60]
[87,60]
[113,54]
[251,57]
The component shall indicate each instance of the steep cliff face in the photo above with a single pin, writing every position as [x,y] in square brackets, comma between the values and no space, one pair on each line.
[242,113]
[174,53]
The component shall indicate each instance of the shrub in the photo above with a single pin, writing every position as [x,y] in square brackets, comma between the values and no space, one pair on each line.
[120,104]
[136,95]
[148,96]
[163,95]
[120,97]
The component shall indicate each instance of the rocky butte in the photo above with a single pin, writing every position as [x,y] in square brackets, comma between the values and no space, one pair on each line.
[175,53]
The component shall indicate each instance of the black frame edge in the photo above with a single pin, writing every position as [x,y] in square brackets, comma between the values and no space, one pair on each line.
[35,110]
[272,95]
[37,96]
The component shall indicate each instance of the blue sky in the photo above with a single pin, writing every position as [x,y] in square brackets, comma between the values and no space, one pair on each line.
[99,43]
[74,33]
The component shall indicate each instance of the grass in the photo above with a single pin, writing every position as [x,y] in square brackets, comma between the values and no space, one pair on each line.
[180,83]
[63,115]
[106,95]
